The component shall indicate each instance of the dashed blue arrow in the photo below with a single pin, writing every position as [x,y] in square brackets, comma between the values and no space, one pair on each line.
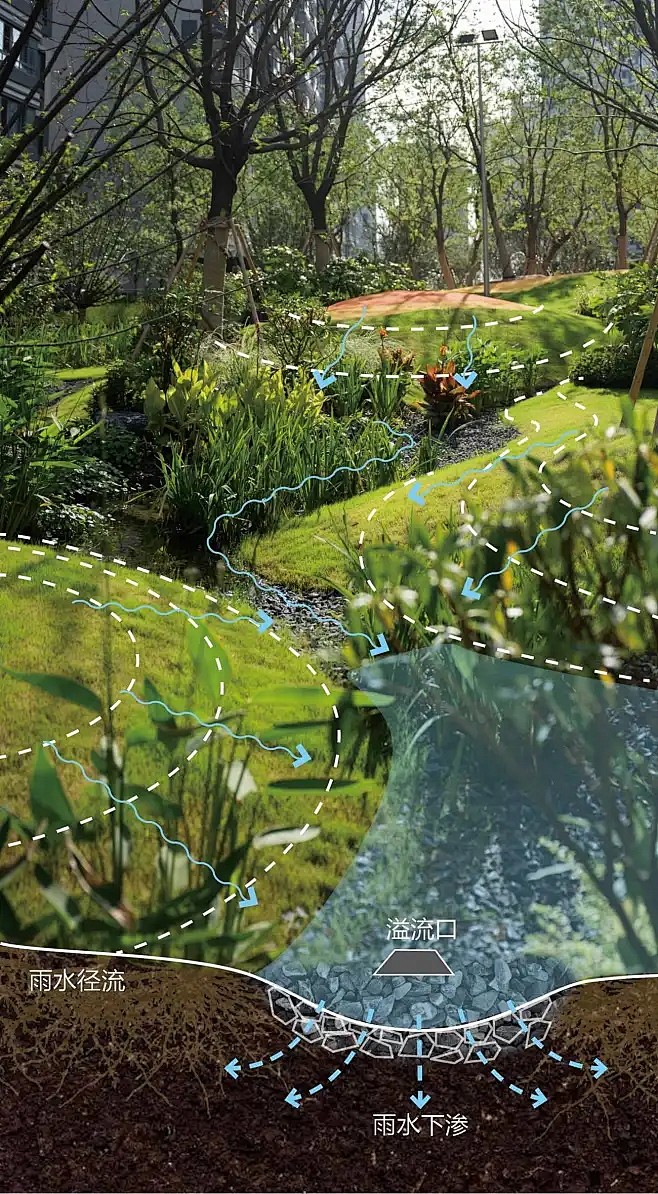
[597,1067]
[299,756]
[294,1098]
[414,494]
[470,589]
[320,375]
[234,1067]
[537,1097]
[420,1099]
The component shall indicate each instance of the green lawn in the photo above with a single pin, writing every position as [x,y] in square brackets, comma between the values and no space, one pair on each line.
[268,691]
[306,552]
[549,333]
[76,405]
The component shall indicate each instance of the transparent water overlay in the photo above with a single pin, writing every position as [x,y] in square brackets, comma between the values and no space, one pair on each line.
[522,804]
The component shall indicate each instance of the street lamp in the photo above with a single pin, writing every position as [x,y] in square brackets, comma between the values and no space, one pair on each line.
[485,36]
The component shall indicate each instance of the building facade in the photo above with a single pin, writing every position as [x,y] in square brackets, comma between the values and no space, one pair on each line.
[22,92]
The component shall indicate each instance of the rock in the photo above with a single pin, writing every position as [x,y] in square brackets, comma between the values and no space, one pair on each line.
[502,973]
[352,1011]
[293,969]
[486,1000]
[400,992]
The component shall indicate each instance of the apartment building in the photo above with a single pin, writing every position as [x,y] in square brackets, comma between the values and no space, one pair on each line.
[22,92]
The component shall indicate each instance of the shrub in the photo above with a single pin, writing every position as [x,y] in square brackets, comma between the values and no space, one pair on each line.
[286,271]
[349,277]
[613,365]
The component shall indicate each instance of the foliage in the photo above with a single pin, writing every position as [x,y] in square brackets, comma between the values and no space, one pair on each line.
[250,452]
[350,277]
[419,586]
[83,879]
[36,455]
[446,401]
[629,301]
[613,365]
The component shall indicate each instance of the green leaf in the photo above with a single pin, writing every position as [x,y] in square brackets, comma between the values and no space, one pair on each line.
[152,804]
[203,658]
[311,695]
[48,799]
[282,837]
[59,686]
[10,926]
[157,714]
[66,907]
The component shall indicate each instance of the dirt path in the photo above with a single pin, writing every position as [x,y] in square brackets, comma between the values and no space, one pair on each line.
[402,301]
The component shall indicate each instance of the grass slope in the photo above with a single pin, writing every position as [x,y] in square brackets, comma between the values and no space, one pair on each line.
[42,631]
[306,553]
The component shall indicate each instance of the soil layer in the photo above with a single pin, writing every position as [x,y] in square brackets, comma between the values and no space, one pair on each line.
[126,1091]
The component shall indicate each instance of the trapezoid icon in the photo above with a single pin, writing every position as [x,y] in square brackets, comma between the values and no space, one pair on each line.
[414,963]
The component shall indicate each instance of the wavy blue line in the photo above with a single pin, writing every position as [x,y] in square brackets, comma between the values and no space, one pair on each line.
[499,460]
[265,588]
[342,468]
[163,613]
[343,343]
[209,725]
[545,531]
[145,821]
[468,342]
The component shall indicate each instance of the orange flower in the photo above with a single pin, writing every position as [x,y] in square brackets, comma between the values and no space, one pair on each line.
[443,351]
[383,333]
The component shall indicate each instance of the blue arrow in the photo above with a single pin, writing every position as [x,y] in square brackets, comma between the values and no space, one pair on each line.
[536,1099]
[265,621]
[414,493]
[265,588]
[522,551]
[294,1094]
[382,646]
[252,898]
[101,783]
[302,756]
[467,378]
[468,590]
[598,1067]
[320,375]
[419,1098]
[292,1044]
[299,758]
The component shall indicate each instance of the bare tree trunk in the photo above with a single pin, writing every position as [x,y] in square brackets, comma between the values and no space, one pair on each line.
[218,225]
[651,251]
[501,244]
[532,247]
[446,268]
[621,261]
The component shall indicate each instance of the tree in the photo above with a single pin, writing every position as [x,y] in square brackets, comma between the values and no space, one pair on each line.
[609,50]
[31,194]
[255,59]
[375,43]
